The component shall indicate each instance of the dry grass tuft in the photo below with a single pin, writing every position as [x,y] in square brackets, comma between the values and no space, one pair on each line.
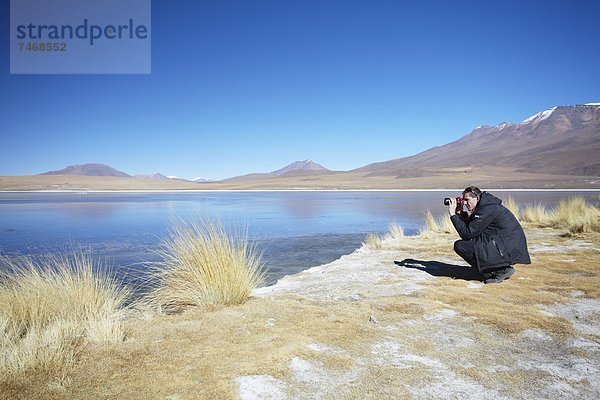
[50,307]
[536,214]
[392,238]
[573,214]
[374,241]
[395,232]
[512,206]
[205,266]
[578,216]
[433,226]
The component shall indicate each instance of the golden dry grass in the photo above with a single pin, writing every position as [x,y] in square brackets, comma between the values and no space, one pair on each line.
[203,265]
[577,215]
[395,232]
[510,203]
[435,226]
[50,307]
[374,241]
[536,214]
[573,214]
[394,235]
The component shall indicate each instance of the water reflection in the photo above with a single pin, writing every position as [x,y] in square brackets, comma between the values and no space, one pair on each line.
[90,210]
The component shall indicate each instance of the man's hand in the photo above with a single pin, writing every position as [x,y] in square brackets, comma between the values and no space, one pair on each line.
[452,206]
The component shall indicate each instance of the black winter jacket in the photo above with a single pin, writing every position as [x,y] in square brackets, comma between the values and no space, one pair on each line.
[498,236]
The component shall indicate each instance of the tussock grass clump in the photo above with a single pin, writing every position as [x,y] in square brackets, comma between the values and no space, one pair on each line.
[50,306]
[433,226]
[536,214]
[395,235]
[395,232]
[374,241]
[205,266]
[512,206]
[573,214]
[578,216]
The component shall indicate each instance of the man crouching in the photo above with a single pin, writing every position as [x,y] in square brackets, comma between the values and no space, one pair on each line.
[492,238]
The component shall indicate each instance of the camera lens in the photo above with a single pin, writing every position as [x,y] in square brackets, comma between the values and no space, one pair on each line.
[447,201]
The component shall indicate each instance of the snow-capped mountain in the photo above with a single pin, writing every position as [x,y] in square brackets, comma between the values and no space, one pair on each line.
[539,117]
[162,177]
[201,179]
[156,175]
[560,140]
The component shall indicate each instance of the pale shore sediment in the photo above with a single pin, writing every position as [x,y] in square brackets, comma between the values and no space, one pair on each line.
[460,355]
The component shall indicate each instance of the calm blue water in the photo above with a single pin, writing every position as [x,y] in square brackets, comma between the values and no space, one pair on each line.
[296,230]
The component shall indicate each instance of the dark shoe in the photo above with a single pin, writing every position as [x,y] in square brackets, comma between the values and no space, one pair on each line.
[500,275]
[490,273]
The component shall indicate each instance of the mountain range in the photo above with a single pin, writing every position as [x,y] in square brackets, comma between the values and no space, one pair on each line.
[559,142]
[562,140]
[95,169]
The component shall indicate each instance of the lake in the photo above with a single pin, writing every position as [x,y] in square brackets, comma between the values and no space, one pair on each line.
[295,229]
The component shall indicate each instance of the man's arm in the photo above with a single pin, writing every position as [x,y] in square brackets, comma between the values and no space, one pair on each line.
[477,223]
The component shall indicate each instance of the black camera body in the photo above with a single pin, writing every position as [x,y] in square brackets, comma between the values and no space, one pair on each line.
[458,201]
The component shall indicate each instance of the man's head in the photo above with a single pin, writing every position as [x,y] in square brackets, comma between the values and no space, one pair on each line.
[471,196]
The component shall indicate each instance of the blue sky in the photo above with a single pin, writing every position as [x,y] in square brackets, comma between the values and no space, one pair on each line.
[250,86]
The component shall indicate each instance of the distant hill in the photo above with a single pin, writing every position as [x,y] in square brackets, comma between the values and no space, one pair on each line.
[305,167]
[160,177]
[201,179]
[156,175]
[561,140]
[299,166]
[89,170]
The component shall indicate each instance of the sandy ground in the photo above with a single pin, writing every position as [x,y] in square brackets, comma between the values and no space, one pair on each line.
[530,364]
[367,327]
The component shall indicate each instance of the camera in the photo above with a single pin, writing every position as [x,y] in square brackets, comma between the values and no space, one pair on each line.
[458,201]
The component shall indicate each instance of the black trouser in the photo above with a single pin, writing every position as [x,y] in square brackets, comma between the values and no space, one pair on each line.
[466,249]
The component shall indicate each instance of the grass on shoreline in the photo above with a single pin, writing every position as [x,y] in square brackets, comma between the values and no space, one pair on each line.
[574,215]
[51,307]
[203,266]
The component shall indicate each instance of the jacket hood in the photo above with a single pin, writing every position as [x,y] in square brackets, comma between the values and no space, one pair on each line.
[487,199]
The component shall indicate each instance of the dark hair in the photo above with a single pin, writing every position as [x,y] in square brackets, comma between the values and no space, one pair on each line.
[474,190]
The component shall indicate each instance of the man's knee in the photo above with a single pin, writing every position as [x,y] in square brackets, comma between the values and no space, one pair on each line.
[463,247]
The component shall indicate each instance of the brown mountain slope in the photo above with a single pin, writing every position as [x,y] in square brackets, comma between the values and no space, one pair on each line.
[564,140]
[89,170]
[298,168]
